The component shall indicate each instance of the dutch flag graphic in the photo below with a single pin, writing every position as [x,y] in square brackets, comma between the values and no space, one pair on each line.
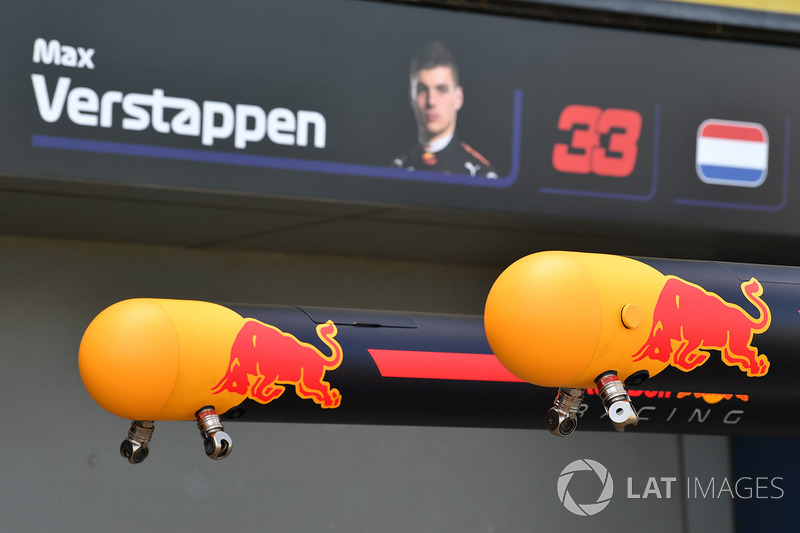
[732,153]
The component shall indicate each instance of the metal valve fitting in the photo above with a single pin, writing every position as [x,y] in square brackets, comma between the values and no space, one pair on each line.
[562,418]
[216,443]
[616,401]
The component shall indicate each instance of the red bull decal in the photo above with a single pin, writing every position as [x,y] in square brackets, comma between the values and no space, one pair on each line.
[265,359]
[688,320]
[635,393]
[709,397]
[712,398]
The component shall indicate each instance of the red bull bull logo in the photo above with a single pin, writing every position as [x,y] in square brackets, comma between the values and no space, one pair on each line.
[265,359]
[688,321]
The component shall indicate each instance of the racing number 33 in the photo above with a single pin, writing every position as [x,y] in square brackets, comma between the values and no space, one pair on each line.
[603,142]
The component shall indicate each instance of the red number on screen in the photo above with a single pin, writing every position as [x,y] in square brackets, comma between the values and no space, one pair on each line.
[603,142]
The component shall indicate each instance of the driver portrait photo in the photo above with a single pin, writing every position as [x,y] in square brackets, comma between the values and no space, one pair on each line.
[436,96]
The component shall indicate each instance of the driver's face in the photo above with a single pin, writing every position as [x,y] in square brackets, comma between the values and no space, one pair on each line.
[436,99]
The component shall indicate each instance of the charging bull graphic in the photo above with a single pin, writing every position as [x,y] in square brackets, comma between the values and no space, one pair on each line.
[264,359]
[688,320]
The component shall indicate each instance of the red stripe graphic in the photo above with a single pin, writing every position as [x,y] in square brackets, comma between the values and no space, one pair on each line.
[739,133]
[441,365]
